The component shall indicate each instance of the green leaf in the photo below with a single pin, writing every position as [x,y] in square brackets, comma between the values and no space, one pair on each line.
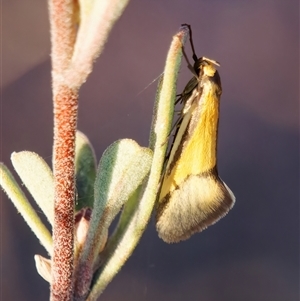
[97,18]
[14,192]
[136,214]
[85,166]
[38,179]
[122,168]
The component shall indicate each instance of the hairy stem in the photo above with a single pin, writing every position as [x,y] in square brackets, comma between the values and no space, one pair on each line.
[65,99]
[65,116]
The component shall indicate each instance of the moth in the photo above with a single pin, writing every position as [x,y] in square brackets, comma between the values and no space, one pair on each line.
[192,195]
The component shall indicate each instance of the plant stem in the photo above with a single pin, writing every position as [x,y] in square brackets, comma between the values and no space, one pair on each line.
[65,101]
[65,117]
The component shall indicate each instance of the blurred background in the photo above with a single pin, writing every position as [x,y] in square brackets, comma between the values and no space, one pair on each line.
[251,254]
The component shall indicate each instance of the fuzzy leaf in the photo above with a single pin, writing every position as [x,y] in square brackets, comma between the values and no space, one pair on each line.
[136,214]
[96,21]
[14,192]
[38,179]
[85,165]
[122,168]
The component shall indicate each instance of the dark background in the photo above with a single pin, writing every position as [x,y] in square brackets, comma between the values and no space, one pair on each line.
[253,253]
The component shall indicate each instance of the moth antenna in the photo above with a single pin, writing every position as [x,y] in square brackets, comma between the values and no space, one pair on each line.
[195,58]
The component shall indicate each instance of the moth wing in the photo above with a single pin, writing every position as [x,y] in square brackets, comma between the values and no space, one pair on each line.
[200,202]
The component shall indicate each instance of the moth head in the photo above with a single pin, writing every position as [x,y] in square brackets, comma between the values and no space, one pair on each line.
[206,66]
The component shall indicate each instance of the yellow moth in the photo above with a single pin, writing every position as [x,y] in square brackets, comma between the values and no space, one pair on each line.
[192,195]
